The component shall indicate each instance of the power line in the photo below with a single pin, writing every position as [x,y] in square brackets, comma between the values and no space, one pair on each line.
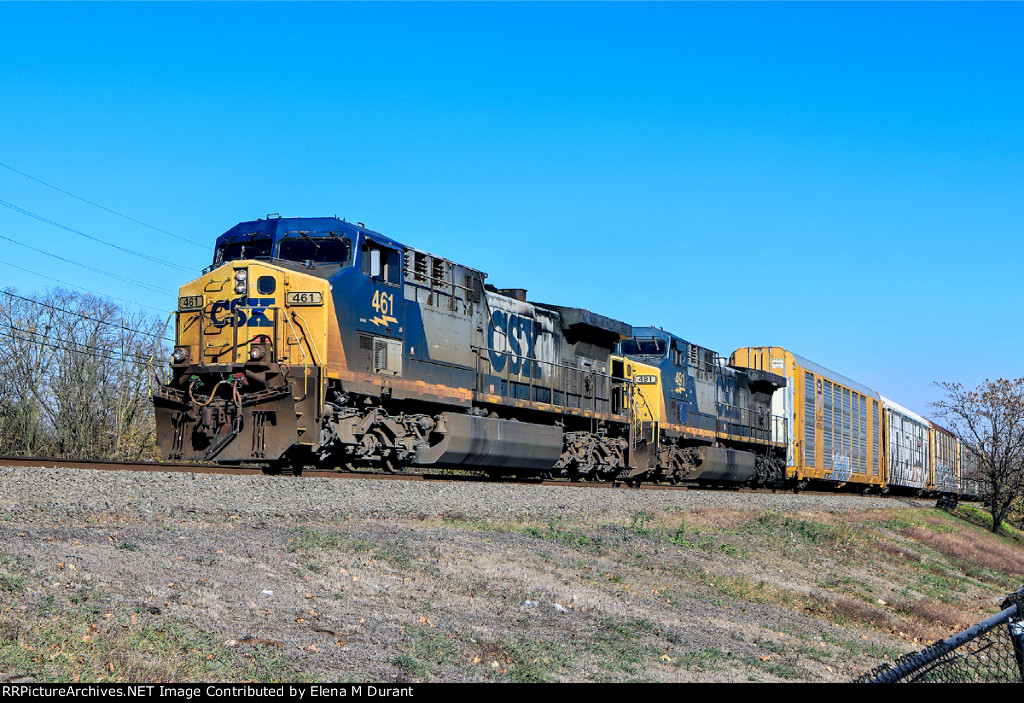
[55,344]
[113,212]
[133,359]
[85,317]
[154,259]
[72,285]
[123,279]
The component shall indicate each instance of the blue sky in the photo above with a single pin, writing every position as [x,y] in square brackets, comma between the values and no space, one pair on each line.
[844,180]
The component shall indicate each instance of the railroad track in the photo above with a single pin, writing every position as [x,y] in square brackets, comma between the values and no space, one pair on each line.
[179,467]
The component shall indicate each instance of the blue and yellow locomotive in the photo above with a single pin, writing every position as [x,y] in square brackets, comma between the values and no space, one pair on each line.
[316,341]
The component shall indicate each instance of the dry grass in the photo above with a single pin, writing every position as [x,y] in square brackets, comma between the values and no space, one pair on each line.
[78,645]
[972,549]
[842,609]
[945,616]
[896,550]
[895,572]
[716,519]
[670,595]
[924,620]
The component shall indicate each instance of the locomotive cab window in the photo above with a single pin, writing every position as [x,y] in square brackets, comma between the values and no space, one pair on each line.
[677,354]
[651,346]
[244,247]
[381,262]
[318,250]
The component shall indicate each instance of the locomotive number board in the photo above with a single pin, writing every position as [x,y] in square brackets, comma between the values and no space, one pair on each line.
[304,298]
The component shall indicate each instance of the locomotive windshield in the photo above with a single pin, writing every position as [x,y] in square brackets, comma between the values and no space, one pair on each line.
[301,248]
[320,250]
[651,346]
[245,247]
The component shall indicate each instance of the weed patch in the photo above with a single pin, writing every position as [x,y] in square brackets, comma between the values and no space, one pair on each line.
[641,523]
[782,671]
[410,665]
[983,519]
[782,527]
[970,550]
[530,662]
[396,553]
[306,539]
[570,538]
[74,646]
[930,611]
[744,588]
[12,574]
[895,550]
[429,650]
[680,536]
[12,583]
[616,646]
[843,610]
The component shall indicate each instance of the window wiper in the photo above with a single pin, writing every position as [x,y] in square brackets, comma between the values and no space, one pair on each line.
[316,247]
[316,250]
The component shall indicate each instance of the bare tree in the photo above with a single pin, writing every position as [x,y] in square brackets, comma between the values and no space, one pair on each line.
[24,358]
[989,421]
[128,402]
[73,376]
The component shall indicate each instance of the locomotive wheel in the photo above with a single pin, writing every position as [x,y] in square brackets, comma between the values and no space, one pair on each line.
[390,464]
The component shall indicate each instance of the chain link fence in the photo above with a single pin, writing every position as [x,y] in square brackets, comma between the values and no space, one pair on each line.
[990,652]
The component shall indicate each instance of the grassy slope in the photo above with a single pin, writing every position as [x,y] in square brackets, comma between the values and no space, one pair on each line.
[699,595]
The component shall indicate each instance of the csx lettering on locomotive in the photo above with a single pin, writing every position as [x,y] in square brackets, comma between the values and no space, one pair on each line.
[512,340]
[241,312]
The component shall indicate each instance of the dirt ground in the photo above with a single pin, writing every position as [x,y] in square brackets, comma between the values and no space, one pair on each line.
[698,596]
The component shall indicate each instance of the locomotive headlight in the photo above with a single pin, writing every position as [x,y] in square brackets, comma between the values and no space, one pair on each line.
[179,354]
[256,353]
[241,277]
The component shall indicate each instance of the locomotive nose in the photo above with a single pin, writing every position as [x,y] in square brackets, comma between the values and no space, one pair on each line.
[247,367]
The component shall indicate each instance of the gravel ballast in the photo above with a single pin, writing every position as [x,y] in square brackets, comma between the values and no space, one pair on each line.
[67,493]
